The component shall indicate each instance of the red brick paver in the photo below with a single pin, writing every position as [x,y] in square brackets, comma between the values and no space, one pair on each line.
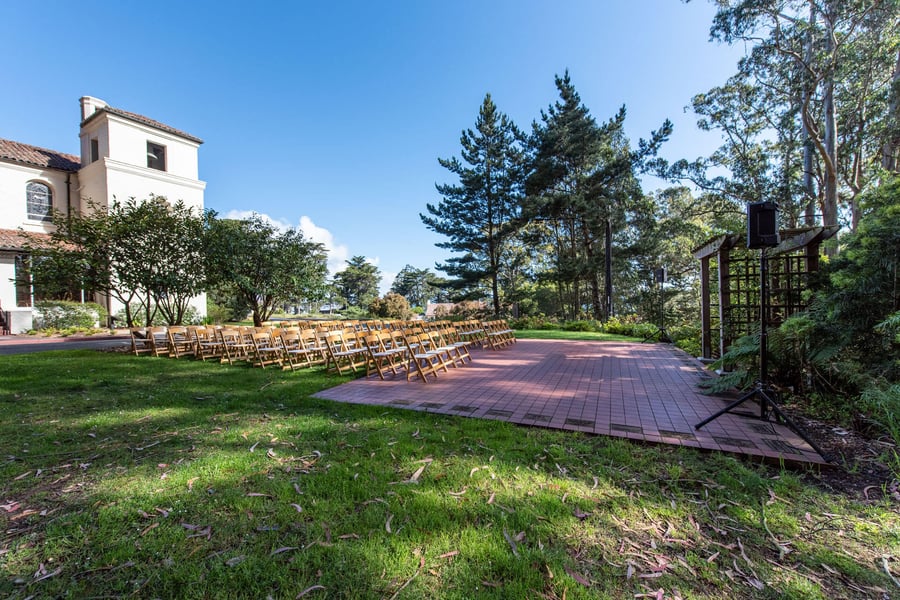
[638,391]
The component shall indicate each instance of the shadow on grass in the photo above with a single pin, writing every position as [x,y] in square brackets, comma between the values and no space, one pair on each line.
[164,478]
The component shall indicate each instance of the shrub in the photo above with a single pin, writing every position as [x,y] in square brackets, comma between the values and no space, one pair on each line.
[582,326]
[535,322]
[217,314]
[60,314]
[392,306]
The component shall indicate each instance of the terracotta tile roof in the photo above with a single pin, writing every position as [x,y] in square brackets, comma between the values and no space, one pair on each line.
[38,157]
[12,239]
[142,120]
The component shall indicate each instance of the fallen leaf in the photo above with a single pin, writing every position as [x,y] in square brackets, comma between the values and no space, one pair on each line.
[149,528]
[511,542]
[253,447]
[578,577]
[190,482]
[298,507]
[282,549]
[387,524]
[491,499]
[348,536]
[449,554]
[257,495]
[231,562]
[311,588]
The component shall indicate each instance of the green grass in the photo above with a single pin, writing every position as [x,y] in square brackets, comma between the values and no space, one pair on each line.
[558,334]
[157,478]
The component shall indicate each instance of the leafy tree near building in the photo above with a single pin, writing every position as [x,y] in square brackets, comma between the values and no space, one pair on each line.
[146,254]
[262,267]
[479,213]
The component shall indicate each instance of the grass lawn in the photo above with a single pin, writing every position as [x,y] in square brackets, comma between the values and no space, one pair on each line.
[158,478]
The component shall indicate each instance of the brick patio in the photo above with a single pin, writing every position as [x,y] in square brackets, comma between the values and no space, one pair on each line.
[642,392]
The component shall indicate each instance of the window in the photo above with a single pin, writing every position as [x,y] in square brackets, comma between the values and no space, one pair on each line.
[156,156]
[39,200]
[95,149]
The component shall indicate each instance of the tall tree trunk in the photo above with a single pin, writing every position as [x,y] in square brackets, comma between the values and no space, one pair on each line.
[607,259]
[830,201]
[889,149]
[808,148]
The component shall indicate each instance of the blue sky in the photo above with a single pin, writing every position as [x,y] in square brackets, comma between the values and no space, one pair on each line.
[331,115]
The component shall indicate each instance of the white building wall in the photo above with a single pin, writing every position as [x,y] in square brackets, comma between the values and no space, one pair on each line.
[7,275]
[13,208]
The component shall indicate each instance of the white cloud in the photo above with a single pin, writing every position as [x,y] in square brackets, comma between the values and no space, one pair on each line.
[337,253]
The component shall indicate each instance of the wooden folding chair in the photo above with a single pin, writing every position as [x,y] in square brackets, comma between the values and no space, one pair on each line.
[234,346]
[423,361]
[207,344]
[297,352]
[382,356]
[265,351]
[343,352]
[141,341]
[159,340]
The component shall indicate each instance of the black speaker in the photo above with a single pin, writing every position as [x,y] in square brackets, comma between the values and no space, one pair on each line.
[762,225]
[659,275]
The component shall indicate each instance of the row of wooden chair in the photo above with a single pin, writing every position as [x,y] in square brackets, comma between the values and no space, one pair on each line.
[421,349]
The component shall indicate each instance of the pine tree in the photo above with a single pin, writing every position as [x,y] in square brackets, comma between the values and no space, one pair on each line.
[478,214]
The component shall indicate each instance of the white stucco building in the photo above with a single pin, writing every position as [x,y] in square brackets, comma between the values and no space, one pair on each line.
[123,155]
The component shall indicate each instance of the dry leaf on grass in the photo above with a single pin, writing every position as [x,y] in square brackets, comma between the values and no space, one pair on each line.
[578,577]
[449,554]
[311,588]
[282,549]
[297,507]
[511,542]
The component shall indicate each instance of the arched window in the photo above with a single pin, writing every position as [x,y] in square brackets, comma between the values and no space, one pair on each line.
[39,200]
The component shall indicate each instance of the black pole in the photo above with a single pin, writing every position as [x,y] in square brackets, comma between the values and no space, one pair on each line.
[763,329]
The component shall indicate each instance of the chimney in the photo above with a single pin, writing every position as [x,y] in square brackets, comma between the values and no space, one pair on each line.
[90,105]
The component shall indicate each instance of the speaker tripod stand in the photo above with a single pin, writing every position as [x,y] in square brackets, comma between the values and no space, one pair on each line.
[762,391]
[660,334]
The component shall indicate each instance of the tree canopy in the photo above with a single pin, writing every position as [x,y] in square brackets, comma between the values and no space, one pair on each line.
[261,266]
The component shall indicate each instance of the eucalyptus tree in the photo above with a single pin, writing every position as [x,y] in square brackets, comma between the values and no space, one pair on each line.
[837,59]
[479,213]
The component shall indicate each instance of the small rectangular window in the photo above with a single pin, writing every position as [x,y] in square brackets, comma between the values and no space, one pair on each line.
[95,150]
[156,156]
